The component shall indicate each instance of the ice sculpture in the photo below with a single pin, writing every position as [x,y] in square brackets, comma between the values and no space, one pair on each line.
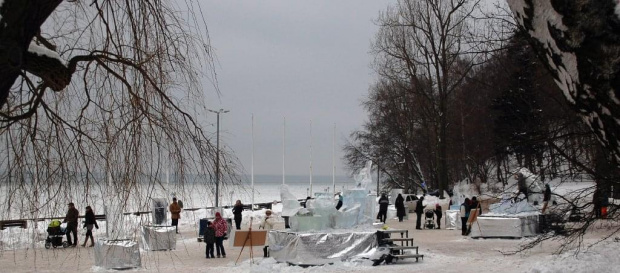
[358,207]
[290,204]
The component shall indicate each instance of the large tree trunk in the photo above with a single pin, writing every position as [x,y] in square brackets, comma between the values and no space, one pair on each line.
[579,41]
[21,21]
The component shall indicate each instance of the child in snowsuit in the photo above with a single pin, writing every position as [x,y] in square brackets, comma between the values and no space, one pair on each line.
[210,240]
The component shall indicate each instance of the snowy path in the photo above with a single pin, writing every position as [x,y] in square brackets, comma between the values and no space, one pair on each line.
[444,250]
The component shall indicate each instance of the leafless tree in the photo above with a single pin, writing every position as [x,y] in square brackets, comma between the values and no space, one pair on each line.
[434,46]
[100,98]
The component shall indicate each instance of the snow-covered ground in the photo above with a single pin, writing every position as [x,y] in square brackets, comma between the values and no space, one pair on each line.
[445,250]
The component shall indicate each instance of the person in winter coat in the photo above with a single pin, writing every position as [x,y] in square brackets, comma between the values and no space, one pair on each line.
[267,224]
[465,209]
[89,223]
[339,205]
[221,227]
[383,206]
[72,224]
[546,198]
[419,209]
[522,185]
[439,214]
[237,210]
[474,204]
[209,237]
[400,207]
[175,213]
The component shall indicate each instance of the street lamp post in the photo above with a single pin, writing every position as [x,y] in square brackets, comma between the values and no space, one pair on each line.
[217,156]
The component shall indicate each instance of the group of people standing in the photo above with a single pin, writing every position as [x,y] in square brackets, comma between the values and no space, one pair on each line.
[71,218]
[465,211]
[399,203]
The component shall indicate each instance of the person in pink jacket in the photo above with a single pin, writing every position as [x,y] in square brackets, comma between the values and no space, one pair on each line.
[221,227]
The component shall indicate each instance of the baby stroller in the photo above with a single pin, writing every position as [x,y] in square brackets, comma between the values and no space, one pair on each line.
[55,233]
[429,219]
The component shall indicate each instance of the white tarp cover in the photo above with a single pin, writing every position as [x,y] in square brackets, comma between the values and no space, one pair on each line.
[505,227]
[319,248]
[453,219]
[159,237]
[117,254]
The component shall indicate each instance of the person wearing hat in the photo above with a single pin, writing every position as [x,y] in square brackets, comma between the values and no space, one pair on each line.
[267,224]
[221,227]
[209,238]
[72,223]
[175,213]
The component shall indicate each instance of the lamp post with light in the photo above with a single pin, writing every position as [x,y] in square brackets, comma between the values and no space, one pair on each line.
[217,155]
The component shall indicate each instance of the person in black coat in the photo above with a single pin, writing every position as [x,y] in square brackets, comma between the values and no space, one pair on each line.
[400,207]
[89,223]
[237,210]
[465,209]
[439,214]
[419,210]
[210,240]
[383,206]
[339,204]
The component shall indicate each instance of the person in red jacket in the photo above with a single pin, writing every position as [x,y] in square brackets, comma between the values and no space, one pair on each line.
[221,227]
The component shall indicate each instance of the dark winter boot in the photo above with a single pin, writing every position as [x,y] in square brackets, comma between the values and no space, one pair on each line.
[265,252]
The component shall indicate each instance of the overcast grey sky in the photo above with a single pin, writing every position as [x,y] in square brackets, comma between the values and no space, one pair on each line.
[303,60]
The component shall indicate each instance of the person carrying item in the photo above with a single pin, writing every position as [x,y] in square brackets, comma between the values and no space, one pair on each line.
[383,207]
[400,207]
[72,224]
[89,223]
[209,238]
[221,227]
[267,224]
[419,209]
[237,210]
[439,214]
[175,213]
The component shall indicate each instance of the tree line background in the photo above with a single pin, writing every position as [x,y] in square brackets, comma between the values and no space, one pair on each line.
[461,95]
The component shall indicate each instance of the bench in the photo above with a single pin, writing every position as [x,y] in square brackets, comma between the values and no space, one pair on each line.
[403,241]
[399,252]
[416,256]
[13,223]
[401,231]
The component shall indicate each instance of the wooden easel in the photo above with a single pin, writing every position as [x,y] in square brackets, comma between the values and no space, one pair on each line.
[247,237]
[473,217]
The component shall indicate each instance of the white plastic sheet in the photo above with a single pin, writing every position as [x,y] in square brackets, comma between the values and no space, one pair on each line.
[453,219]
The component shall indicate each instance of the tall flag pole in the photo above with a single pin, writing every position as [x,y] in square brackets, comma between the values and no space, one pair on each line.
[284,152]
[334,159]
[310,158]
[252,167]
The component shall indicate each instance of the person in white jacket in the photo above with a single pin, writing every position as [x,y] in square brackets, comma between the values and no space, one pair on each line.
[267,224]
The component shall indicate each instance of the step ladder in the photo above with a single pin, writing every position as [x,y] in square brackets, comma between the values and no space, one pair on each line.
[406,243]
